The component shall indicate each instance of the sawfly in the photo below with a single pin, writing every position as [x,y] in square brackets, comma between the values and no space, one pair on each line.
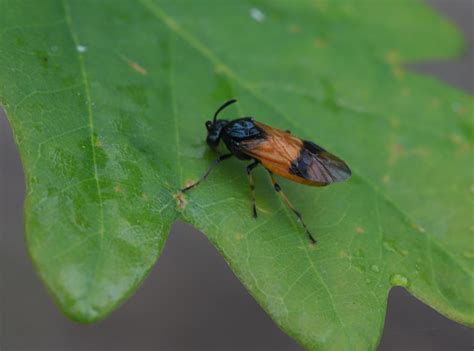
[278,151]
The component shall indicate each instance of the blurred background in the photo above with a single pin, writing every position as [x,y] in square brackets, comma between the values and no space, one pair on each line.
[191,300]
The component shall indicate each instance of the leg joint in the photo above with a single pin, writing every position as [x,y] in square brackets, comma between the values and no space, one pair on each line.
[277,187]
[251,166]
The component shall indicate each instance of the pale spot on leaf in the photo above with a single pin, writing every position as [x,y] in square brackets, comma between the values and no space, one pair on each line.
[468,254]
[293,29]
[189,182]
[181,201]
[173,24]
[135,66]
[81,48]
[394,122]
[460,142]
[320,43]
[456,139]
[312,246]
[420,151]
[257,15]
[419,227]
[321,5]
[343,254]
[396,151]
[398,72]
[263,210]
[392,57]
[399,280]
[220,69]
[458,108]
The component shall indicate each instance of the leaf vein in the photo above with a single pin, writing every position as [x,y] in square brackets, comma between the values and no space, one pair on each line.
[90,116]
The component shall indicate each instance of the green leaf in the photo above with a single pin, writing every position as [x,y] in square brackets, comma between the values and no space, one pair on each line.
[108,101]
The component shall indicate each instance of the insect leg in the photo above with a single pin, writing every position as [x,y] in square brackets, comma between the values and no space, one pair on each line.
[277,188]
[211,167]
[250,167]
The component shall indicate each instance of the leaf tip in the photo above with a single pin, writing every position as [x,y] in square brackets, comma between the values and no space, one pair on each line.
[83,312]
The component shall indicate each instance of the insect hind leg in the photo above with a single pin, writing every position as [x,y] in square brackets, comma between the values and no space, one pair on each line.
[277,188]
[211,167]
[250,168]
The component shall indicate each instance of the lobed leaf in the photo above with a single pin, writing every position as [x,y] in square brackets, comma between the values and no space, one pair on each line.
[108,101]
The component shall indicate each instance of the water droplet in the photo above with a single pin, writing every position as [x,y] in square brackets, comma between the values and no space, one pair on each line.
[375,268]
[399,280]
[257,15]
[81,48]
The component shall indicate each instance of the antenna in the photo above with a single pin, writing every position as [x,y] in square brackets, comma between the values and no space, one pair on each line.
[227,103]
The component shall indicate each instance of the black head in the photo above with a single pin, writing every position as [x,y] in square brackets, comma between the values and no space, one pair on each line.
[214,127]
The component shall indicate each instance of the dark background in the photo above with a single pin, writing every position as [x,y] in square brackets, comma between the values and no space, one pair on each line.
[191,300]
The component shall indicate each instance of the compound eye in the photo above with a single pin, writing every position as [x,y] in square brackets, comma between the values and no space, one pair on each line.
[208,124]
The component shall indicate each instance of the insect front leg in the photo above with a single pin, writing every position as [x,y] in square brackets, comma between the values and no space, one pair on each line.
[250,167]
[277,188]
[211,167]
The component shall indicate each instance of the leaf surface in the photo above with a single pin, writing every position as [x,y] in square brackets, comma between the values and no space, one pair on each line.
[108,100]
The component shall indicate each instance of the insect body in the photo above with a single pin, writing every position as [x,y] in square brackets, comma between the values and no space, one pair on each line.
[277,151]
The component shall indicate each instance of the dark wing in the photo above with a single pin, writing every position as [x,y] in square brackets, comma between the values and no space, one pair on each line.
[295,159]
[315,163]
